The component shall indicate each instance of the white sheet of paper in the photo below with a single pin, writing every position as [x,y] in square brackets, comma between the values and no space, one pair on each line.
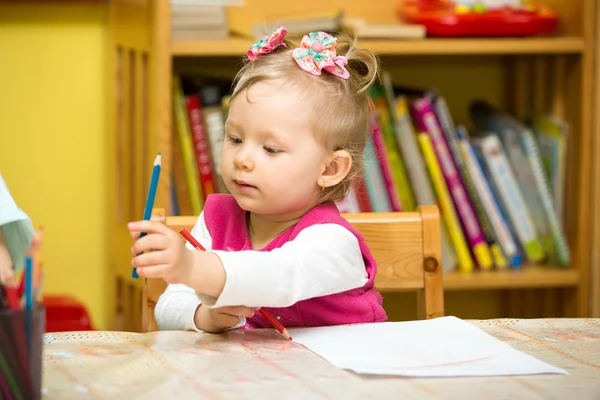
[440,347]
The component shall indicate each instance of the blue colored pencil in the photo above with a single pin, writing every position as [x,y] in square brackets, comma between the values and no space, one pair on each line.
[28,283]
[150,199]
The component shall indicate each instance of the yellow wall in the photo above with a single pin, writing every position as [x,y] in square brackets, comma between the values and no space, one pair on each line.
[52,139]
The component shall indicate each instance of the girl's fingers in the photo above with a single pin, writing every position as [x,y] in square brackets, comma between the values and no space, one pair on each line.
[155,271]
[147,226]
[7,276]
[152,242]
[224,321]
[150,259]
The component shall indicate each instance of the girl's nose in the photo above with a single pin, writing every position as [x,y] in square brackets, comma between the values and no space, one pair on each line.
[243,160]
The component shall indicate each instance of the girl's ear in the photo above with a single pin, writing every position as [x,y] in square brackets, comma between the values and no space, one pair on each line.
[336,170]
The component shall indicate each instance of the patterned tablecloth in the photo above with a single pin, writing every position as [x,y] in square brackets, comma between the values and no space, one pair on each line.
[260,364]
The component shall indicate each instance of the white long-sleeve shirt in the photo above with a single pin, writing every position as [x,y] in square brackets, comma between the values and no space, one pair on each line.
[323,259]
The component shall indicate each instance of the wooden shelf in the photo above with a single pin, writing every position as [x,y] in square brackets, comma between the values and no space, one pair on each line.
[528,277]
[562,45]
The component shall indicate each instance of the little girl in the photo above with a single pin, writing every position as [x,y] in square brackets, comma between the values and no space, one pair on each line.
[295,133]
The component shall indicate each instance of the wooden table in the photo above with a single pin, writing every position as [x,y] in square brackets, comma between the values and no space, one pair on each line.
[260,364]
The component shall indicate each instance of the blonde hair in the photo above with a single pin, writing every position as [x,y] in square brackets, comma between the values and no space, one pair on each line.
[340,106]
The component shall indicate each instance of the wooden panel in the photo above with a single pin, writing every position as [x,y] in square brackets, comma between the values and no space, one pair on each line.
[595,245]
[581,240]
[239,47]
[528,277]
[132,20]
[431,299]
[160,95]
[132,141]
[571,15]
[397,267]
[541,85]
[558,106]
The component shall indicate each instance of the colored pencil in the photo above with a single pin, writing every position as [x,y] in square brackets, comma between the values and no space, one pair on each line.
[21,330]
[28,283]
[12,297]
[276,324]
[150,198]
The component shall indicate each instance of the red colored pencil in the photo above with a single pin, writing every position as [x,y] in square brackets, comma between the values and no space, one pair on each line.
[12,297]
[188,236]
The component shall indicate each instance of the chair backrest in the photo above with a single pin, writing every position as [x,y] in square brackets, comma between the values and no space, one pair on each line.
[405,245]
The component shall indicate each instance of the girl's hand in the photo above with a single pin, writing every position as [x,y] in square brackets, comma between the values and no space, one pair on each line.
[216,320]
[227,317]
[164,253]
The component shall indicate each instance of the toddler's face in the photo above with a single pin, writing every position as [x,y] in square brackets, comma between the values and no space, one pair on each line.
[271,160]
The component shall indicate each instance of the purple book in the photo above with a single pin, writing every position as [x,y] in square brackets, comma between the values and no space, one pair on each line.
[426,121]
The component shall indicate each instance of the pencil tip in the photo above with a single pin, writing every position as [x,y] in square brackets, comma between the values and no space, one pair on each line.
[158,159]
[286,334]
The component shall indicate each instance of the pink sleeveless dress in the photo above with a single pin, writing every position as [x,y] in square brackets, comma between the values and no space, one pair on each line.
[226,223]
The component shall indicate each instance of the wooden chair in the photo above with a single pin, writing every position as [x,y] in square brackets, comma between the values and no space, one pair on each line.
[406,246]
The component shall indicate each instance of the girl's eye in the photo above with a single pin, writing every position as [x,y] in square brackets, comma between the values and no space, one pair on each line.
[271,150]
[234,139]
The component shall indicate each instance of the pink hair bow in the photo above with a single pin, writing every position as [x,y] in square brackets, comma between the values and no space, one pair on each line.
[317,52]
[268,43]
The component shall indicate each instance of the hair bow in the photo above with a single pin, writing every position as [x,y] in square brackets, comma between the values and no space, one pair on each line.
[268,43]
[317,52]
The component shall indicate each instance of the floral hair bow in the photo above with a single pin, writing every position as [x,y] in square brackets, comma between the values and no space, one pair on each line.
[317,52]
[268,43]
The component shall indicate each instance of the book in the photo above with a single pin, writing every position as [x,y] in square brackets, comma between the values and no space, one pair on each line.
[427,122]
[187,147]
[417,172]
[523,152]
[510,194]
[367,30]
[465,261]
[450,132]
[502,232]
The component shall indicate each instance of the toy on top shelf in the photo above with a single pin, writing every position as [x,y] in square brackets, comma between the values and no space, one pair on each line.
[486,18]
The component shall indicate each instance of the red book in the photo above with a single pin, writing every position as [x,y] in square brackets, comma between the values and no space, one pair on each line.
[201,149]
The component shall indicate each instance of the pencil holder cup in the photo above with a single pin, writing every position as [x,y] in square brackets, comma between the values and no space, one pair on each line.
[21,345]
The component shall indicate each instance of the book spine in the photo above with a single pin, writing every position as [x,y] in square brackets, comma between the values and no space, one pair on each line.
[397,164]
[532,153]
[374,180]
[465,262]
[187,147]
[510,193]
[201,147]
[480,183]
[416,169]
[360,188]
[384,162]
[427,122]
[450,132]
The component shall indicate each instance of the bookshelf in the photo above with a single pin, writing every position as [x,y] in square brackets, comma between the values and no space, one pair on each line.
[234,47]
[554,74]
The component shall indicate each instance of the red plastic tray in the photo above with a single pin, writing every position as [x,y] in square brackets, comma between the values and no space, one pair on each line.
[441,20]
